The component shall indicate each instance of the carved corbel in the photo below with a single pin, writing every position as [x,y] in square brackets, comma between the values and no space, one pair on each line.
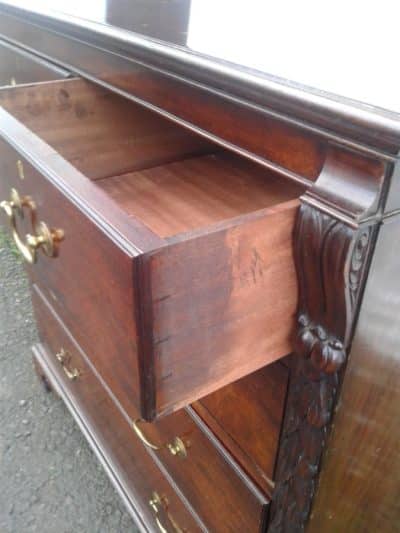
[333,242]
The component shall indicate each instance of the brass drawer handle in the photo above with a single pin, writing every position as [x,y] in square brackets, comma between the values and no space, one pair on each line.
[64,358]
[44,238]
[160,507]
[176,447]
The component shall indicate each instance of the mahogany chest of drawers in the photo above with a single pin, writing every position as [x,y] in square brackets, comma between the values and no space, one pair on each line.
[198,263]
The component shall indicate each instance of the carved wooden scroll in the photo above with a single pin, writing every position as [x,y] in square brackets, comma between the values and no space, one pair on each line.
[332,252]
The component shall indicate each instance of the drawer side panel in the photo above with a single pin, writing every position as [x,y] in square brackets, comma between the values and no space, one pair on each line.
[223,304]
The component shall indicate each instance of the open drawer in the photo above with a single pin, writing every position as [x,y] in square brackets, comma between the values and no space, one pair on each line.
[18,66]
[169,259]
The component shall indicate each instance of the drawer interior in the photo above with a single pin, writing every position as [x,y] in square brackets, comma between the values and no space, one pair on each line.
[237,412]
[169,178]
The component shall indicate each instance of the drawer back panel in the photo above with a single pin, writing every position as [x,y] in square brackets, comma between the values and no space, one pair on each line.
[247,417]
[100,133]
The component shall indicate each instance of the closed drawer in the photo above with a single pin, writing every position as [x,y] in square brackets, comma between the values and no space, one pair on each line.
[149,496]
[220,494]
[220,491]
[18,66]
[175,272]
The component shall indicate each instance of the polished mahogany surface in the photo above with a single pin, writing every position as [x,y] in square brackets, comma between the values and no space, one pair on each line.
[360,482]
[261,36]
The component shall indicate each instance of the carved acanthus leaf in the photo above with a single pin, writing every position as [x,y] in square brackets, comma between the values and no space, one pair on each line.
[331,259]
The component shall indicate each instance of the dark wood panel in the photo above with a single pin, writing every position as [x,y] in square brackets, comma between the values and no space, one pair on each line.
[18,67]
[129,466]
[360,482]
[268,139]
[246,417]
[100,133]
[334,240]
[197,192]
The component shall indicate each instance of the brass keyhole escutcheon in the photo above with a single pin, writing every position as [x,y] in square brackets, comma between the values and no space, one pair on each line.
[20,170]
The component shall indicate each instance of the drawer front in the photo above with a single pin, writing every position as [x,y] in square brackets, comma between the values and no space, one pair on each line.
[89,283]
[130,467]
[221,495]
[18,67]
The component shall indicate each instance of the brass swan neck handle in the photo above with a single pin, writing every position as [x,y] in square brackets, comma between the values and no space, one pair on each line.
[176,447]
[43,237]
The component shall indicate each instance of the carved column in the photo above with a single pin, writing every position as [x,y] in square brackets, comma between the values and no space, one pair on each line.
[334,239]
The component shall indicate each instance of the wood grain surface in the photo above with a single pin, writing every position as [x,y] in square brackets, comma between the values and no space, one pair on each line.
[197,192]
[222,304]
[100,133]
[360,481]
[90,282]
